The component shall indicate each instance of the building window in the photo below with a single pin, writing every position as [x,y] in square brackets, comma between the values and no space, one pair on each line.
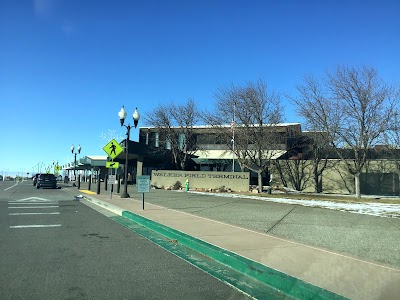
[168,143]
[181,141]
[156,139]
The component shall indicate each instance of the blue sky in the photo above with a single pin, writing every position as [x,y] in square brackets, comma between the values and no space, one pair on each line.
[67,66]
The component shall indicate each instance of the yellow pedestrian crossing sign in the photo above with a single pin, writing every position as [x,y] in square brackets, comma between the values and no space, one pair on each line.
[113,149]
[112,165]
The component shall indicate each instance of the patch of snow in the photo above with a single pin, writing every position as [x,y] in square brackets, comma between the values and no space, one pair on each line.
[373,209]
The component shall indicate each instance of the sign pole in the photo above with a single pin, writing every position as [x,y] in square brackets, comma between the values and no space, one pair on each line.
[142,201]
[113,149]
[110,171]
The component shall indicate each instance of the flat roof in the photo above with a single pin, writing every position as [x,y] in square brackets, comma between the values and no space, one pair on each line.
[97,157]
[224,125]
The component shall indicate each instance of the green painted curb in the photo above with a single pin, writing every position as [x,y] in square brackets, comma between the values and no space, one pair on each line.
[247,285]
[282,282]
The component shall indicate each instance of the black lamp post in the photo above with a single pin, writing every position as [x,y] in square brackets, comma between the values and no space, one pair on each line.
[75,153]
[136,116]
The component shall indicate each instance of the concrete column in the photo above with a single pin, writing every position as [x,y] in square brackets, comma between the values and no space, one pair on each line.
[139,167]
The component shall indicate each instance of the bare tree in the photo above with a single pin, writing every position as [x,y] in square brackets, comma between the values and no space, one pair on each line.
[391,139]
[315,150]
[253,110]
[304,154]
[312,93]
[107,136]
[320,155]
[353,106]
[294,172]
[175,124]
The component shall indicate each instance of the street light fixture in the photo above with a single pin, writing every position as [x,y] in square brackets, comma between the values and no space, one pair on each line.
[75,153]
[136,116]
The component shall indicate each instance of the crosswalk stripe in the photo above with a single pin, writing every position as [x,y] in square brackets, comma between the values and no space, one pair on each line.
[35,226]
[34,206]
[35,203]
[22,214]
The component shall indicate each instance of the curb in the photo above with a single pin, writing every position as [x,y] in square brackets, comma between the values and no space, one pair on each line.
[289,285]
[115,209]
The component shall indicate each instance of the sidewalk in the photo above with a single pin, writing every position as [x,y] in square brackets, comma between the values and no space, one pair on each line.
[343,275]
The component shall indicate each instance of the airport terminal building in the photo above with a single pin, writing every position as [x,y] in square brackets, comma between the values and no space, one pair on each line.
[213,153]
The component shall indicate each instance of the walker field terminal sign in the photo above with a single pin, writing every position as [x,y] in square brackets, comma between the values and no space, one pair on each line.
[236,181]
[113,149]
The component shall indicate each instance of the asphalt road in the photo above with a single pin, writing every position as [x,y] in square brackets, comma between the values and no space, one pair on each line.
[73,252]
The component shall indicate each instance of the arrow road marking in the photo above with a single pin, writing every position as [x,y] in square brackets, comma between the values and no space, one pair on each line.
[33,199]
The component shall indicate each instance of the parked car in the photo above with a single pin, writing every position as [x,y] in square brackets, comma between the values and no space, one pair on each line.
[46,180]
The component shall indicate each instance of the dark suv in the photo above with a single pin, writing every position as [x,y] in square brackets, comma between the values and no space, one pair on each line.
[46,180]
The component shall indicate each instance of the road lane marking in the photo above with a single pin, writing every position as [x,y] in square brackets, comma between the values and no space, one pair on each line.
[47,206]
[21,214]
[10,187]
[35,226]
[19,203]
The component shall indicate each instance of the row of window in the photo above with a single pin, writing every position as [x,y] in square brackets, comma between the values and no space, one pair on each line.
[154,138]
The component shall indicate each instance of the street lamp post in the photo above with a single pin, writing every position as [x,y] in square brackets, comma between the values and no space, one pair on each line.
[75,153]
[136,116]
[233,137]
[39,167]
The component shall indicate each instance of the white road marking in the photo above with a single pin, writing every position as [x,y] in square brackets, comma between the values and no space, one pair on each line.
[10,187]
[21,214]
[33,199]
[35,203]
[35,226]
[51,206]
